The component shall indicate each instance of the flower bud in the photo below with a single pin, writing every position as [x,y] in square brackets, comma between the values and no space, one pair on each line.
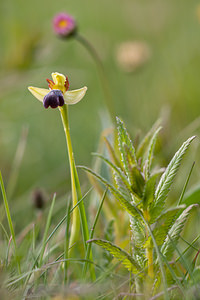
[64,25]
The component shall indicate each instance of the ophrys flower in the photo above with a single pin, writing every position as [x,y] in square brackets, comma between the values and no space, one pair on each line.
[57,94]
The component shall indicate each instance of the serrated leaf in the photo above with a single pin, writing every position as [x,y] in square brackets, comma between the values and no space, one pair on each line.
[119,254]
[117,170]
[111,152]
[138,232]
[150,151]
[149,190]
[124,139]
[130,162]
[174,233]
[164,223]
[121,186]
[130,208]
[143,145]
[138,182]
[166,180]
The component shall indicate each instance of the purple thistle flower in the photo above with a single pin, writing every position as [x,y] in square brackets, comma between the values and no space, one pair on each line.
[64,25]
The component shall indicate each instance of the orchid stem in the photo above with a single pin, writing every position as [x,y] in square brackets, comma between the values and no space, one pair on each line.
[76,192]
[102,74]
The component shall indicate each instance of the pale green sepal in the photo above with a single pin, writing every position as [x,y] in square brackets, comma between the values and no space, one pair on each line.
[38,92]
[73,97]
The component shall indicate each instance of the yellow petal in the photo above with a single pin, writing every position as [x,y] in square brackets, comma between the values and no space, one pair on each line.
[38,92]
[73,97]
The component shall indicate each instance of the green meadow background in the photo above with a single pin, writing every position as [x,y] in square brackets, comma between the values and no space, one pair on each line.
[167,86]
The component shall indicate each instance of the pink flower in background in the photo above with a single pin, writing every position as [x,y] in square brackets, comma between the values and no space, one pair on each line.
[64,25]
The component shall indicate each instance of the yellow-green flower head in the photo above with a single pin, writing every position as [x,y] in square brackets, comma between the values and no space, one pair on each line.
[57,94]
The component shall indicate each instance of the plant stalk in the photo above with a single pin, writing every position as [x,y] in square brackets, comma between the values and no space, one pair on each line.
[76,193]
[149,249]
[149,254]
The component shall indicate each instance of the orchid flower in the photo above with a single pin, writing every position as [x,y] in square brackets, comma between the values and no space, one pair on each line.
[57,94]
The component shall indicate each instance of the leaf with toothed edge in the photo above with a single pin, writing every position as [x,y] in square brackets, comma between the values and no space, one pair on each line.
[167,179]
[124,139]
[125,258]
[170,243]
[150,151]
[130,208]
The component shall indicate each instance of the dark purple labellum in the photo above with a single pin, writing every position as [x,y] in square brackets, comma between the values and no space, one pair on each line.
[53,99]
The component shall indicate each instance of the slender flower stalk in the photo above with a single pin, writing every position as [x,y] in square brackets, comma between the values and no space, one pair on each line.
[59,96]
[76,220]
[76,193]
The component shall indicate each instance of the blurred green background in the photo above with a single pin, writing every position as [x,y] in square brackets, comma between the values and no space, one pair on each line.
[167,84]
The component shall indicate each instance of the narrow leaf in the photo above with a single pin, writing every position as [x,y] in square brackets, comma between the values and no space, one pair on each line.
[150,151]
[167,180]
[117,170]
[192,196]
[124,139]
[119,254]
[174,233]
[143,145]
[131,209]
[149,189]
[138,232]
[111,152]
[164,223]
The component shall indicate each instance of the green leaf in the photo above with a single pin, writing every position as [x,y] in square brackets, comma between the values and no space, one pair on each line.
[117,170]
[174,233]
[150,152]
[138,232]
[131,209]
[164,223]
[121,186]
[149,189]
[192,196]
[143,145]
[119,254]
[124,139]
[138,182]
[167,180]
[112,154]
[131,163]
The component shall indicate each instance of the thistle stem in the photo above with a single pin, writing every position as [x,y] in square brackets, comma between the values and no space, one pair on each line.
[102,74]
[149,249]
[76,192]
[149,254]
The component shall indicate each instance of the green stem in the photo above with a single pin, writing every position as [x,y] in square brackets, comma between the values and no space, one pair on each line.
[75,216]
[102,74]
[149,249]
[76,192]
[149,254]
